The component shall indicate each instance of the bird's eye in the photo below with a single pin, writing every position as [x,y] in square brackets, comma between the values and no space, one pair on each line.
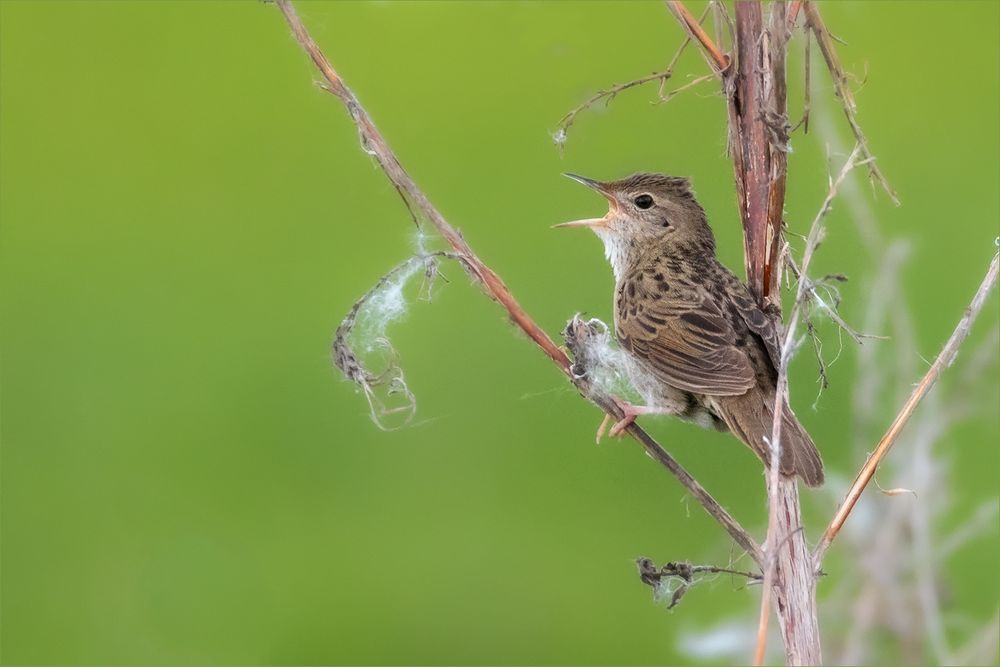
[643,201]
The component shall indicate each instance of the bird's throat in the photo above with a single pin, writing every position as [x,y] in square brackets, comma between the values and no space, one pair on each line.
[616,249]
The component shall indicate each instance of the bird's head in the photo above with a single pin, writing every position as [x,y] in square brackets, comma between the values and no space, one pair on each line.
[647,210]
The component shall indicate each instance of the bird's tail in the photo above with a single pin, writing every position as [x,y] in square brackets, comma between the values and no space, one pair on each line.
[751,418]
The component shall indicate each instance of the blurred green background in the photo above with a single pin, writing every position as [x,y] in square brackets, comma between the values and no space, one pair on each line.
[186,218]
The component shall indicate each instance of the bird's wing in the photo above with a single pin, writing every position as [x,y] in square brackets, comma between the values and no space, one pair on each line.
[761,324]
[685,338]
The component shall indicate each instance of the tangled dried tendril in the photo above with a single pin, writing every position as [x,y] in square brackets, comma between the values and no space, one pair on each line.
[672,581]
[363,352]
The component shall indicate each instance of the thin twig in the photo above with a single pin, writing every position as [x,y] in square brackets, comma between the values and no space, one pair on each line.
[770,563]
[610,93]
[830,310]
[669,95]
[716,59]
[815,235]
[718,8]
[817,346]
[943,360]
[825,39]
[567,121]
[723,19]
[806,86]
[793,12]
[375,144]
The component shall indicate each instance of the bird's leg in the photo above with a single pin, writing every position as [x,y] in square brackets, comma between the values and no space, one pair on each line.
[630,413]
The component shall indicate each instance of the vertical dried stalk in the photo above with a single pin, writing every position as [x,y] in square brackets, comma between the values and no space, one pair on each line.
[756,121]
[758,136]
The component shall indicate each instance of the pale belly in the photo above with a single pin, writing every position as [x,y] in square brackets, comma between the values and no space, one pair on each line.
[689,407]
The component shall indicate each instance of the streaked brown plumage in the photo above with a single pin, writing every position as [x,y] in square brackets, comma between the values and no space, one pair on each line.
[690,322]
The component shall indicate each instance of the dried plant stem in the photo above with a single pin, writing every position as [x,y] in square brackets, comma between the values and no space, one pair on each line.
[793,12]
[716,59]
[943,360]
[577,333]
[610,93]
[815,24]
[828,310]
[781,396]
[660,455]
[758,131]
[375,144]
[764,614]
[758,138]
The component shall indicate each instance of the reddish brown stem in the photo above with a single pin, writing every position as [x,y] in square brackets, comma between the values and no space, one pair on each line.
[715,57]
[758,135]
[376,145]
[793,12]
[757,138]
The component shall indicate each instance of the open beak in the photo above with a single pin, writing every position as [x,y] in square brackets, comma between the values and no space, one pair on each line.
[589,182]
[590,222]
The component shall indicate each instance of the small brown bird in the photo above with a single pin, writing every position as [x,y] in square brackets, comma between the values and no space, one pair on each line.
[690,323]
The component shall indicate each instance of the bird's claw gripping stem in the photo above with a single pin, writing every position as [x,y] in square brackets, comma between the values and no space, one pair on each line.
[630,412]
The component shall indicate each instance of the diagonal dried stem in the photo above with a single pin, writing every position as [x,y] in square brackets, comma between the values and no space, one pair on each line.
[716,59]
[815,24]
[793,12]
[375,144]
[943,360]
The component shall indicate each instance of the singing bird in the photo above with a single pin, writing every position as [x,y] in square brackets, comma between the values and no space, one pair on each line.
[689,323]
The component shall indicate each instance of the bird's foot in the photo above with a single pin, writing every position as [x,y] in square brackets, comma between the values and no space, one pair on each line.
[630,412]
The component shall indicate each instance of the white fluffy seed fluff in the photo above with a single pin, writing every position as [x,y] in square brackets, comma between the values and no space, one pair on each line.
[615,371]
[385,306]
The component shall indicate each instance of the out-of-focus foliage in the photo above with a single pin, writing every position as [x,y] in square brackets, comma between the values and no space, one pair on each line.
[186,218]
